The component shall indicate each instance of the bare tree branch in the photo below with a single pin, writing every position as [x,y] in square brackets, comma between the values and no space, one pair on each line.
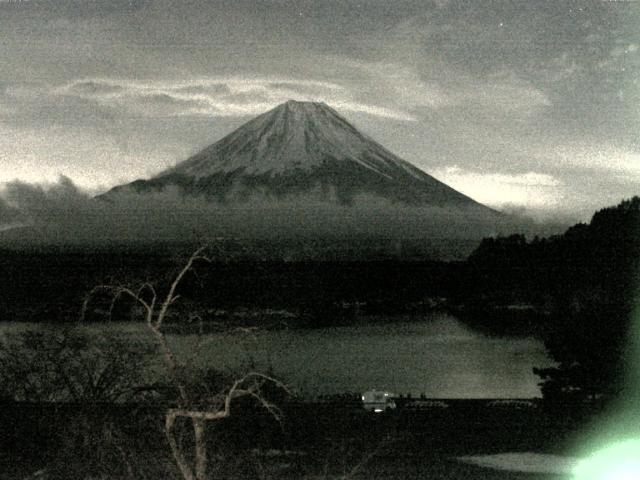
[218,406]
[117,292]
[176,451]
[171,297]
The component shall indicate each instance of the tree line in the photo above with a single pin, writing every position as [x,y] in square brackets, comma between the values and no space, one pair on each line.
[585,281]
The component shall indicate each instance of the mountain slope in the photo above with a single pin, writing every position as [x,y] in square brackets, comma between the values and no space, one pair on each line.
[300,147]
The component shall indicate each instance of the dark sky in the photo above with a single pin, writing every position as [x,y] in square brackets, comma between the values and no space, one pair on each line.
[527,103]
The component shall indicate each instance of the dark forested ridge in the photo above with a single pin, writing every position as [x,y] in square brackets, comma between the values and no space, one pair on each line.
[599,258]
[51,286]
[593,262]
[583,287]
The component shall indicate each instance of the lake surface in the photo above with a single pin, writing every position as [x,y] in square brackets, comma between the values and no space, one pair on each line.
[436,355]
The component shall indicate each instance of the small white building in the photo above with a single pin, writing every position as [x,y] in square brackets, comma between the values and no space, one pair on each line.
[378,401]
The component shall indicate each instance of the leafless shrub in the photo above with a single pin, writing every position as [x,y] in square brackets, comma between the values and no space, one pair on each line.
[197,409]
[72,365]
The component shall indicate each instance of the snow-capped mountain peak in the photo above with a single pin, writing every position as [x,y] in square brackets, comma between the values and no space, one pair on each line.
[299,146]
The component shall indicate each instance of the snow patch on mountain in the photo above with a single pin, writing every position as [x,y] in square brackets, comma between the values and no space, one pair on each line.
[292,137]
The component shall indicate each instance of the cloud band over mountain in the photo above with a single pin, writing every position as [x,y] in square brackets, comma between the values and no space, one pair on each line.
[233,96]
[62,214]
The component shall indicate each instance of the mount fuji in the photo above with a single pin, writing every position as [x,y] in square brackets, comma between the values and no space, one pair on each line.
[297,148]
[297,173]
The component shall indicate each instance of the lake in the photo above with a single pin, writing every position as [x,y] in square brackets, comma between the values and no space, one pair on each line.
[436,355]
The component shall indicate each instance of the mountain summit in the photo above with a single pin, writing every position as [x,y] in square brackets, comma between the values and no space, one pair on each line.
[298,147]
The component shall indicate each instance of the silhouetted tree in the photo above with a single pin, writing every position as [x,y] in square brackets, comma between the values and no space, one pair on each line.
[589,274]
[197,405]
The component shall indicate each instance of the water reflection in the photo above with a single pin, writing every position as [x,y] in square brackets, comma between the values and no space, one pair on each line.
[438,356]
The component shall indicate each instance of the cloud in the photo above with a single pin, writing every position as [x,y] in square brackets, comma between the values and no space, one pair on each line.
[62,213]
[605,162]
[10,216]
[507,91]
[434,84]
[216,97]
[399,84]
[37,153]
[93,88]
[530,189]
